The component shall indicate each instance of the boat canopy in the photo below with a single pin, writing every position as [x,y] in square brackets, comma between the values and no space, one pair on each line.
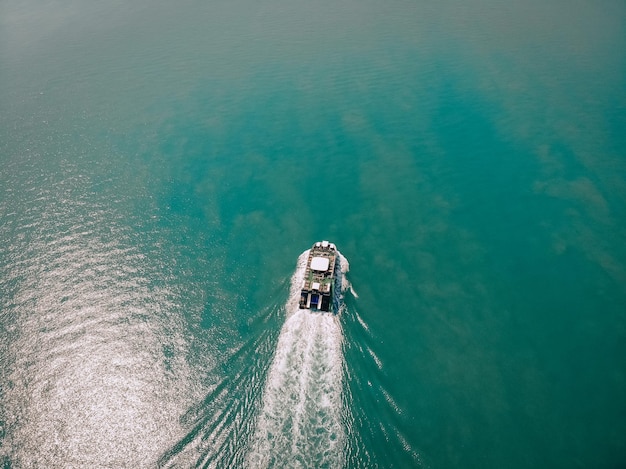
[320,264]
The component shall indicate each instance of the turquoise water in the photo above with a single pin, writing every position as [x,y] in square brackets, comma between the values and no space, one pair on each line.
[164,165]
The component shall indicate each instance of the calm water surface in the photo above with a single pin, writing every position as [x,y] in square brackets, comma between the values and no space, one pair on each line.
[164,165]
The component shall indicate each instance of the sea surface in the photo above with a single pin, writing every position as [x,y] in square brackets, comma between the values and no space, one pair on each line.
[164,167]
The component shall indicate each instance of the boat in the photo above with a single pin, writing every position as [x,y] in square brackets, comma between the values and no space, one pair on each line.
[319,278]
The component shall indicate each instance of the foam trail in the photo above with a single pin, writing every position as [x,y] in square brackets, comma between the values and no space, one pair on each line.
[300,423]
[345,283]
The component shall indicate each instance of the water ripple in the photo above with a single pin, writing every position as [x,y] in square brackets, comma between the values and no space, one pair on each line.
[84,377]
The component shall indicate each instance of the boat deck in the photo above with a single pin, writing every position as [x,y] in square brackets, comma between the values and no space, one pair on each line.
[319,277]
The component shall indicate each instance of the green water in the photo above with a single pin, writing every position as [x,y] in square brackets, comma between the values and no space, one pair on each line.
[164,164]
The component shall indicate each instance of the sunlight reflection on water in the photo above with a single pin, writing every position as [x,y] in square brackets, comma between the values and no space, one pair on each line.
[89,382]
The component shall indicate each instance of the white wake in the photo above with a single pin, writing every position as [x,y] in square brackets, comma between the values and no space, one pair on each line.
[300,423]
